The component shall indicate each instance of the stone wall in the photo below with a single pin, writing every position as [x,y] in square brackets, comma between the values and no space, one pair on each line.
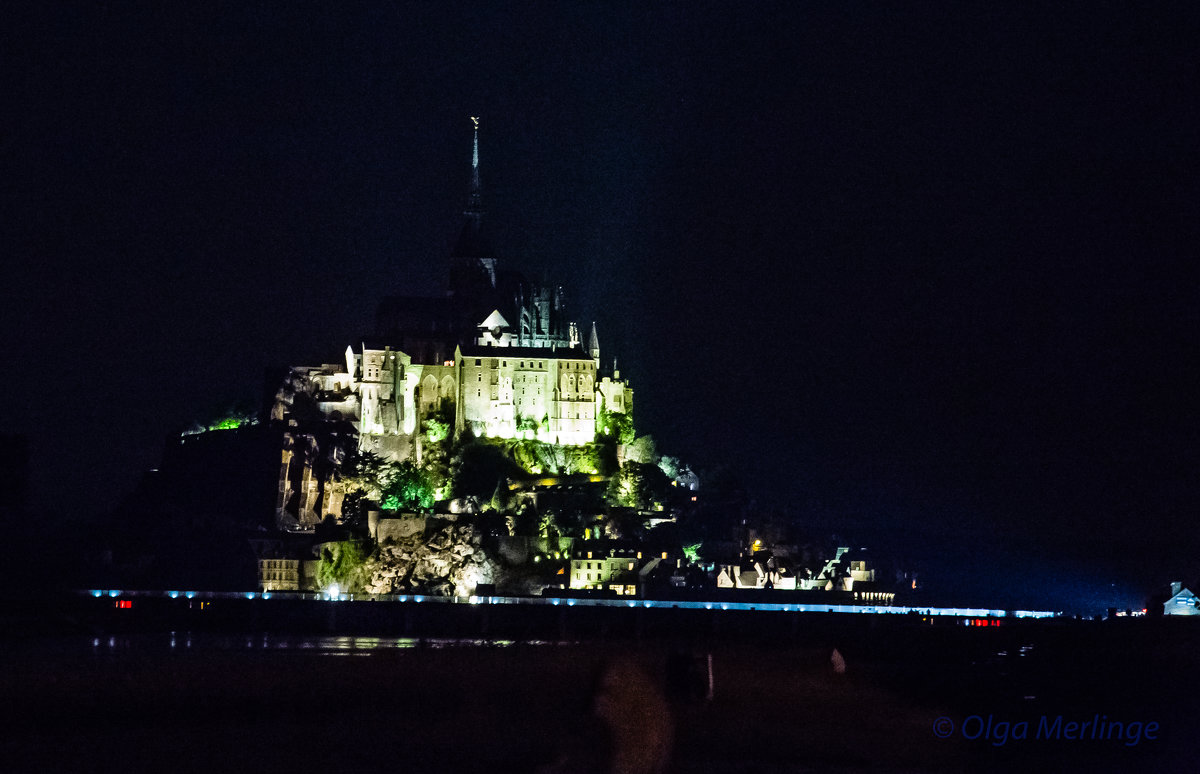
[518,550]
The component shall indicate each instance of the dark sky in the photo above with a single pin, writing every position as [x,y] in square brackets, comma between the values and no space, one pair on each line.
[931,272]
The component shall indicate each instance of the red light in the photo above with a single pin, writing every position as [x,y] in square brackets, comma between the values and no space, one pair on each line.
[123,604]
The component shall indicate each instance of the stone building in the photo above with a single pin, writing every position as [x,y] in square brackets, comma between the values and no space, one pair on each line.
[279,574]
[619,566]
[496,352]
[284,562]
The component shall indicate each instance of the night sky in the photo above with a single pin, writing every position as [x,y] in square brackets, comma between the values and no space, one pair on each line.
[930,273]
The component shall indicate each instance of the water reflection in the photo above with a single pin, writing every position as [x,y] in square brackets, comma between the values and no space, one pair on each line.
[325,645]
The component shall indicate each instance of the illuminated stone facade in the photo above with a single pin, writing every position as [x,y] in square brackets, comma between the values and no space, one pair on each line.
[620,567]
[548,394]
[279,574]
[497,353]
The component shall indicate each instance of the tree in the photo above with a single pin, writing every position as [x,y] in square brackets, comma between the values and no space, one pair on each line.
[436,425]
[436,446]
[636,485]
[616,425]
[671,466]
[409,487]
[365,476]
[342,563]
[366,473]
[643,450]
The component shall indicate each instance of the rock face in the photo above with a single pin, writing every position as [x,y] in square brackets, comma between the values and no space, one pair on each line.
[404,526]
[446,560]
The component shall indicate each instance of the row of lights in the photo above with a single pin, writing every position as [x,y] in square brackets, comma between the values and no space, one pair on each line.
[334,593]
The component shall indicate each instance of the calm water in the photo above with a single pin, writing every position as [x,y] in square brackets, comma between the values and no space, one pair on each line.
[121,645]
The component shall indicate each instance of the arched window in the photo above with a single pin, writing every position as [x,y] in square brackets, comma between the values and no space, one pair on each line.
[429,389]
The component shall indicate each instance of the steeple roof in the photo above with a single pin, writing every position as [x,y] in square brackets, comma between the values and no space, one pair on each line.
[593,339]
[472,241]
[475,200]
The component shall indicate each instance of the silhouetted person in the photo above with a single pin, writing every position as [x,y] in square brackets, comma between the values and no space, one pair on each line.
[638,728]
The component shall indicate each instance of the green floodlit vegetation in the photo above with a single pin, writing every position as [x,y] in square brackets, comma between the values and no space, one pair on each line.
[342,563]
[437,428]
[471,466]
[408,486]
[229,420]
[229,423]
[615,425]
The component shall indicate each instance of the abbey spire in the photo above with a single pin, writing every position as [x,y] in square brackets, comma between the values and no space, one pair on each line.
[472,264]
[475,198]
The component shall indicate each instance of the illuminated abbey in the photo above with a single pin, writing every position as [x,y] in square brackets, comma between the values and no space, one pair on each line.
[497,355]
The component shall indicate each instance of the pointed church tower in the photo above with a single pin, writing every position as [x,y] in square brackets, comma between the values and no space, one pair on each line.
[594,346]
[472,264]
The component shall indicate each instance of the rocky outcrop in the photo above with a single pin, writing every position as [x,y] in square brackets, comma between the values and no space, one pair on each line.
[448,559]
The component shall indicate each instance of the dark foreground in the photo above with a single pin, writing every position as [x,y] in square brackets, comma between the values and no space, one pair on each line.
[304,702]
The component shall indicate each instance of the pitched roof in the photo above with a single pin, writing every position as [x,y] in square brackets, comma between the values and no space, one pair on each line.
[494,320]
